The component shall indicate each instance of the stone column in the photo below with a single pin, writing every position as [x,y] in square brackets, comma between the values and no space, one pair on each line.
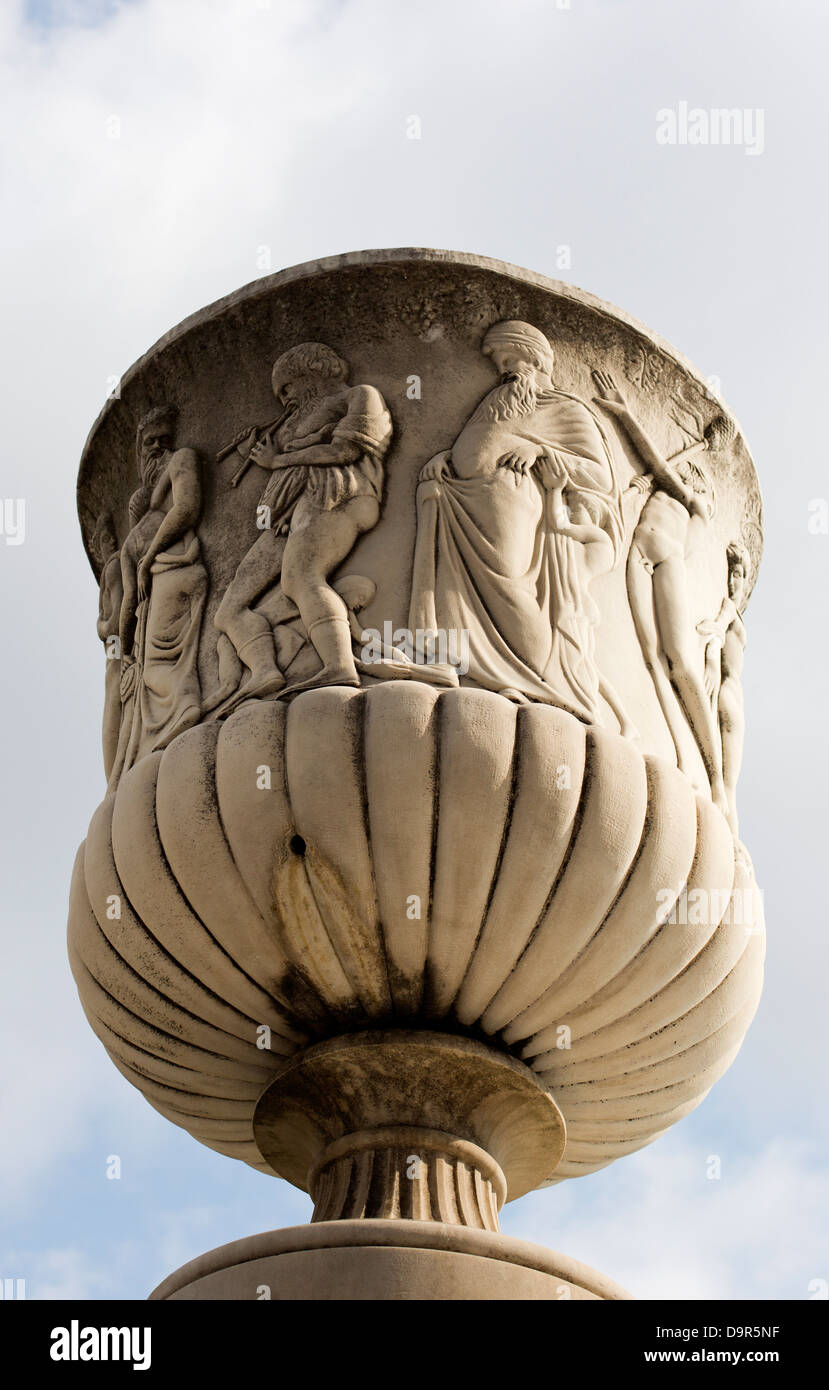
[418,880]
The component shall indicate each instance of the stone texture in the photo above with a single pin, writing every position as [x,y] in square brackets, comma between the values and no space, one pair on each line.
[422,591]
[409,1123]
[383,1261]
[540,910]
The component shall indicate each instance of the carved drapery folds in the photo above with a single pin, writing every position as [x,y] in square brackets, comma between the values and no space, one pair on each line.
[516,524]
[163,588]
[424,646]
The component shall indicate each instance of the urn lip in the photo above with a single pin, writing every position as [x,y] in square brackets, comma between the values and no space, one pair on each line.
[255,290]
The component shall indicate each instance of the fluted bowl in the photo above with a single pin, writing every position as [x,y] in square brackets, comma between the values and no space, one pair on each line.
[408,856]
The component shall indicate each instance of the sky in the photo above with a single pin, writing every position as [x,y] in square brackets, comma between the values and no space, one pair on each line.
[155,156]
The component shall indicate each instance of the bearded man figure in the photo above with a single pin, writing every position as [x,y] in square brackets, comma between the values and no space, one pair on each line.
[491,555]
[164,591]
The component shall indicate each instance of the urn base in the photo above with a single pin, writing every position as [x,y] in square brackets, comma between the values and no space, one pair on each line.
[409,1124]
[379,1260]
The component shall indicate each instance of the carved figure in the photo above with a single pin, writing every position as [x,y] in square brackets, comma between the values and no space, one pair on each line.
[298,659]
[105,548]
[164,590]
[598,556]
[725,640]
[679,490]
[326,459]
[489,557]
[295,653]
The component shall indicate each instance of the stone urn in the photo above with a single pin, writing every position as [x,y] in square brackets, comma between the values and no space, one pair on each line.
[418,880]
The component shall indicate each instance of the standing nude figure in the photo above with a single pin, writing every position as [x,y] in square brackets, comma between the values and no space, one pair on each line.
[725,640]
[326,456]
[656,582]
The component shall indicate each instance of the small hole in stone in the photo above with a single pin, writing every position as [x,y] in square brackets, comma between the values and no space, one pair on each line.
[297,845]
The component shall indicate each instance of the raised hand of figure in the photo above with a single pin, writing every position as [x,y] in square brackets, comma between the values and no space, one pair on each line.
[434,470]
[521,458]
[609,393]
[641,482]
[555,474]
[264,453]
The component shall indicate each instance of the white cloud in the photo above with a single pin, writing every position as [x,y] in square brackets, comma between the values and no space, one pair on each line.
[241,126]
[663,1229]
[62,1273]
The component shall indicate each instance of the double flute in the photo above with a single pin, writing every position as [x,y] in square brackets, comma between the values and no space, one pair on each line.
[244,442]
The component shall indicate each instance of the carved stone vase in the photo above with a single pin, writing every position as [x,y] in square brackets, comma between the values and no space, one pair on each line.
[417,881]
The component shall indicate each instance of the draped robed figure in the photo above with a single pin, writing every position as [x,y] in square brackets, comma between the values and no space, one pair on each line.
[164,585]
[488,555]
